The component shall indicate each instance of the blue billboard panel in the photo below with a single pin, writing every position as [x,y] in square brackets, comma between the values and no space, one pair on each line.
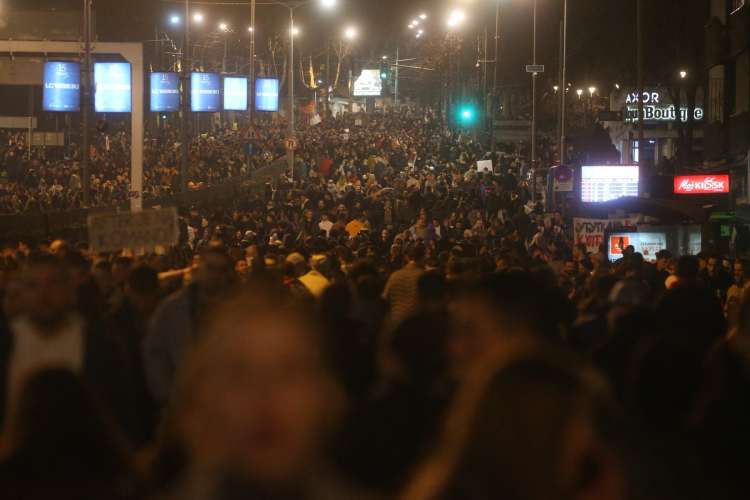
[235,93]
[165,92]
[112,87]
[267,94]
[62,86]
[205,92]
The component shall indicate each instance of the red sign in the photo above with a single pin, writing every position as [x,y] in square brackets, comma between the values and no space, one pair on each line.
[618,244]
[701,184]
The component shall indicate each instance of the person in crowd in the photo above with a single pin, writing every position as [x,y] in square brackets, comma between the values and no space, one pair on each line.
[173,327]
[59,443]
[253,404]
[401,291]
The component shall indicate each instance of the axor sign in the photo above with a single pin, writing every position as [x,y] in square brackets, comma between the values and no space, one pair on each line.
[701,184]
[657,109]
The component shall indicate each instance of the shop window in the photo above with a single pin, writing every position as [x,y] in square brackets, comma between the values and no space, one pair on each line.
[716,100]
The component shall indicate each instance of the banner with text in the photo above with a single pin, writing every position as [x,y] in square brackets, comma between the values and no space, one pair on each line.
[591,231]
[109,232]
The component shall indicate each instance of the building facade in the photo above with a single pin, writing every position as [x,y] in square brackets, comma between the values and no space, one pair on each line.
[727,130]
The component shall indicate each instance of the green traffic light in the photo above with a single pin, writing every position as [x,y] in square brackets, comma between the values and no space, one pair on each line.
[466,115]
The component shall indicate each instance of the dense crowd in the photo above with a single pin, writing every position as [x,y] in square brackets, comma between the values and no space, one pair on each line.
[386,323]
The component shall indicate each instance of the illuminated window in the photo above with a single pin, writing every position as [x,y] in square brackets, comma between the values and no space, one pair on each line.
[634,149]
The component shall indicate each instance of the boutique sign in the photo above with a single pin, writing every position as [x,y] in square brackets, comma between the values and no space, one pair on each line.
[657,109]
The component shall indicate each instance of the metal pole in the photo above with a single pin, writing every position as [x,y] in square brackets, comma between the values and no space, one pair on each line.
[252,61]
[85,105]
[560,85]
[31,118]
[290,153]
[533,113]
[186,67]
[563,83]
[497,64]
[396,75]
[639,14]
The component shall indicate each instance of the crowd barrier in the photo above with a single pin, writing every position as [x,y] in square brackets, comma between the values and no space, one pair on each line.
[71,224]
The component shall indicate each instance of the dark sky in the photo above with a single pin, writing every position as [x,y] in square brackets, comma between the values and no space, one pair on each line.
[601,32]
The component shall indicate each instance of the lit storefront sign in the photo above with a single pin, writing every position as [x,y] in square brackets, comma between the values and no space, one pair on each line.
[655,109]
[701,184]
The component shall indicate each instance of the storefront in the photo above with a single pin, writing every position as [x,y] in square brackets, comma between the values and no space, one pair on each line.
[660,132]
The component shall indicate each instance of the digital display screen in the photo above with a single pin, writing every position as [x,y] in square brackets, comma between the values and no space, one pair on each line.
[235,93]
[205,92]
[165,92]
[608,182]
[647,244]
[112,87]
[368,83]
[267,94]
[62,86]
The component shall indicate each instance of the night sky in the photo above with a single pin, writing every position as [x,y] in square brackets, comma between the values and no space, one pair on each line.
[601,32]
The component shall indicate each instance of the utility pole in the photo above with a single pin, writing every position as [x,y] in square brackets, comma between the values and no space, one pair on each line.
[563,83]
[495,96]
[533,112]
[290,152]
[396,75]
[86,104]
[252,57]
[560,84]
[185,77]
[639,22]
[328,76]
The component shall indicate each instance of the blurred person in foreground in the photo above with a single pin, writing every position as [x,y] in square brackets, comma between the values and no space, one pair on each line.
[529,424]
[173,327]
[253,406]
[50,333]
[60,444]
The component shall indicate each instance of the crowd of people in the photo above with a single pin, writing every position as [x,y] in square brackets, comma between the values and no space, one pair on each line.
[387,322]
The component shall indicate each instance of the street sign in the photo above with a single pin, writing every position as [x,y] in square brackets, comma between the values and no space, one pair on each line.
[610,116]
[291,143]
[535,68]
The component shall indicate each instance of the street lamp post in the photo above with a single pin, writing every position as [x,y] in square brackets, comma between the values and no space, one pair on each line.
[563,84]
[185,77]
[533,111]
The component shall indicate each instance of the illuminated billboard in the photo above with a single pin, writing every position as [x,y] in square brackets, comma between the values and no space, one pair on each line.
[608,182]
[165,92]
[62,86]
[235,93]
[267,94]
[112,87]
[368,84]
[701,184]
[647,244]
[205,92]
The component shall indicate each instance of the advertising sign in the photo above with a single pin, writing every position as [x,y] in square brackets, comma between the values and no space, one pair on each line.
[368,84]
[591,232]
[112,87]
[608,182]
[648,244]
[135,230]
[267,94]
[562,180]
[205,92]
[701,184]
[656,107]
[165,92]
[235,93]
[62,86]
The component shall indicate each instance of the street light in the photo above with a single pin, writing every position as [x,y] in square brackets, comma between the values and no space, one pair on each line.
[328,3]
[223,27]
[350,33]
[592,91]
[579,92]
[174,20]
[250,29]
[456,17]
[198,17]
[423,16]
[555,88]
[683,74]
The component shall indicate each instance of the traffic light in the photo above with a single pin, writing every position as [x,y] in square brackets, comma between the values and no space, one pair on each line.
[384,70]
[467,115]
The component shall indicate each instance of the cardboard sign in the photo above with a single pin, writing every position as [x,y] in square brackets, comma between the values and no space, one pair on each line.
[484,166]
[109,232]
[591,231]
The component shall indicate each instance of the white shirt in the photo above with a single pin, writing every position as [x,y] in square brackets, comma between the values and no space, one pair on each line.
[326,226]
[34,352]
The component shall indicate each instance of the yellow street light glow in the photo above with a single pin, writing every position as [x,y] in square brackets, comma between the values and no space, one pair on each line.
[223,26]
[295,31]
[350,33]
[579,92]
[456,17]
[250,29]
[198,17]
[328,3]
[592,90]
[423,16]
[683,74]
